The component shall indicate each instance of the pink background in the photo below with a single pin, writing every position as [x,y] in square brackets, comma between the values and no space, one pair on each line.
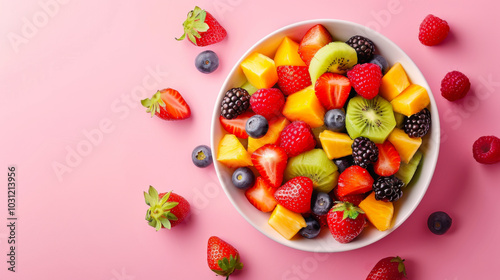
[79,68]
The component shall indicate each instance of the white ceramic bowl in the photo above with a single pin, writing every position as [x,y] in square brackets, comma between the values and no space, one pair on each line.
[341,31]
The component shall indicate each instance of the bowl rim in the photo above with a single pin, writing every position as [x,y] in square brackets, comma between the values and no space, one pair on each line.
[435,127]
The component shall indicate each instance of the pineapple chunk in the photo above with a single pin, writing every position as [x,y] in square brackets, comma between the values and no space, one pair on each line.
[232,153]
[394,82]
[288,54]
[260,70]
[379,213]
[304,106]
[271,137]
[336,144]
[411,101]
[286,222]
[404,144]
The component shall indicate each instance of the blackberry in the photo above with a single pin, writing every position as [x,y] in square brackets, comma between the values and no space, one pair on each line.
[235,102]
[364,48]
[388,188]
[364,151]
[417,125]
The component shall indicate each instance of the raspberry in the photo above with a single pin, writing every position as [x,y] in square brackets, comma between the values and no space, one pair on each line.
[267,102]
[365,79]
[454,86]
[486,149]
[297,138]
[433,30]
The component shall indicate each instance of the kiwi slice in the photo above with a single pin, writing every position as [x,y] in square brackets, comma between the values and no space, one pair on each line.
[371,118]
[407,170]
[336,57]
[315,165]
[400,118]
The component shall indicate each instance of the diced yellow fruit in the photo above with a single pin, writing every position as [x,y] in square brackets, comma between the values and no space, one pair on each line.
[304,106]
[271,137]
[232,153]
[394,82]
[286,222]
[260,70]
[316,132]
[412,100]
[404,144]
[378,212]
[336,144]
[288,54]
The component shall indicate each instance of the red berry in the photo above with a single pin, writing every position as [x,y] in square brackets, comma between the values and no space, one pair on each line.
[293,78]
[295,195]
[314,39]
[166,210]
[167,104]
[236,126]
[454,86]
[366,79]
[332,90]
[270,160]
[261,195]
[433,30]
[352,198]
[222,257]
[390,268]
[267,102]
[198,20]
[486,149]
[388,161]
[346,222]
[297,138]
[354,180]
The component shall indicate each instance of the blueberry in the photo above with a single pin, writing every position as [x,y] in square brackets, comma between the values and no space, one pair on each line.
[256,126]
[381,62]
[207,62]
[243,178]
[202,156]
[321,203]
[343,162]
[439,222]
[335,120]
[312,229]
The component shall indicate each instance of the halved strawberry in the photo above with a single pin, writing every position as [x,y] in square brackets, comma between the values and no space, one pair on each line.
[270,160]
[332,90]
[295,195]
[167,104]
[261,195]
[388,160]
[316,37]
[354,180]
[293,78]
[236,126]
[352,198]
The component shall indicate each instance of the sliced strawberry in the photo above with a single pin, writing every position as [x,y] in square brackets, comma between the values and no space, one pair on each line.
[316,37]
[167,104]
[236,126]
[270,160]
[261,195]
[352,198]
[354,180]
[388,160]
[332,90]
[295,195]
[293,78]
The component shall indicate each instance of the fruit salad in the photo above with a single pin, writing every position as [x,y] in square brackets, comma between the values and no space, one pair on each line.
[325,134]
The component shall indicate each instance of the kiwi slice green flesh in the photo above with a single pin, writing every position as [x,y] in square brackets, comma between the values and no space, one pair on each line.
[315,165]
[407,170]
[335,57]
[371,118]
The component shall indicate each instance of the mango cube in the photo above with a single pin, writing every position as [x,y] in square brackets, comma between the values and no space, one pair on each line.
[378,212]
[288,54]
[336,144]
[411,101]
[304,106]
[232,153]
[260,70]
[404,144]
[271,137]
[286,222]
[394,82]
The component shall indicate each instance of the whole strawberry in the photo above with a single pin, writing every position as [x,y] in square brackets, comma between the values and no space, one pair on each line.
[167,104]
[222,257]
[390,268]
[202,28]
[365,79]
[346,222]
[297,138]
[433,30]
[166,210]
[293,78]
[295,195]
[267,102]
